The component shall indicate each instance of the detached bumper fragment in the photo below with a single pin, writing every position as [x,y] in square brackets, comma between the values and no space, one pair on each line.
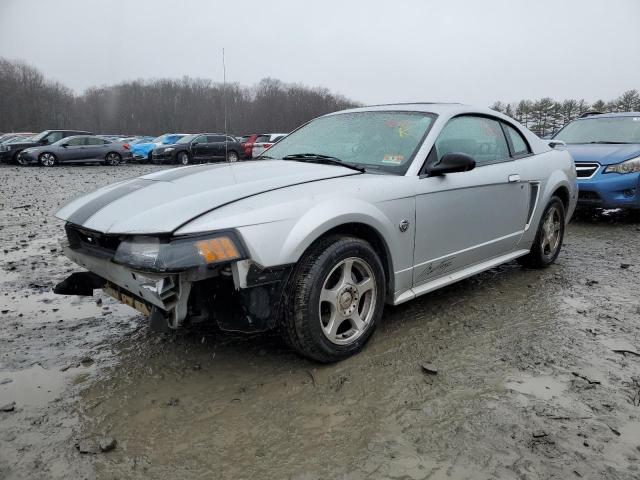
[80,283]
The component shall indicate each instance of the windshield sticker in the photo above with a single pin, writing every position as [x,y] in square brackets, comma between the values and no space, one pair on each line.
[395,159]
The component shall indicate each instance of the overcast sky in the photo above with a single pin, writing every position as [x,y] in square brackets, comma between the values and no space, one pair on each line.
[473,51]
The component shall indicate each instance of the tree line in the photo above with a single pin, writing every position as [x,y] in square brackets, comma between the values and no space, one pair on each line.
[31,102]
[546,115]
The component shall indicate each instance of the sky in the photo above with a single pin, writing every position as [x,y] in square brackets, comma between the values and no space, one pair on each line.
[470,51]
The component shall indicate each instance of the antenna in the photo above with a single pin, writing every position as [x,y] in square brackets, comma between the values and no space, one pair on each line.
[224,102]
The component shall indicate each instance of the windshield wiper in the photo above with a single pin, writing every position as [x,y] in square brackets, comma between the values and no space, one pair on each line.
[613,143]
[322,159]
[263,157]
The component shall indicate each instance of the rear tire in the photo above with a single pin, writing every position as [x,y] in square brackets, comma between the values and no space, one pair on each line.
[47,159]
[232,157]
[113,159]
[548,242]
[334,299]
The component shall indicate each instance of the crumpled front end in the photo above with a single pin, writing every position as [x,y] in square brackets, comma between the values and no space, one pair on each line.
[172,279]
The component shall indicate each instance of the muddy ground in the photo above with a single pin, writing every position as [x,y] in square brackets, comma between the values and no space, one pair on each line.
[538,372]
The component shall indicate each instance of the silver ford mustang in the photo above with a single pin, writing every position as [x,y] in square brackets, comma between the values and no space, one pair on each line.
[351,211]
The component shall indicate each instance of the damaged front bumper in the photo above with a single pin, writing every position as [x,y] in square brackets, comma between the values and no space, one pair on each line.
[167,292]
[240,296]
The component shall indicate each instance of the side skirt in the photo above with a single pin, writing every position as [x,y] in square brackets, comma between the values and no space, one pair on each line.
[456,276]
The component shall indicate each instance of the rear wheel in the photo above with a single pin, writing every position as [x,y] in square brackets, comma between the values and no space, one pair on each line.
[334,299]
[232,157]
[113,159]
[548,242]
[47,159]
[183,158]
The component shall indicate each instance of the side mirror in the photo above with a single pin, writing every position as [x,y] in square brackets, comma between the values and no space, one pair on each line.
[195,143]
[65,145]
[44,141]
[451,163]
[557,143]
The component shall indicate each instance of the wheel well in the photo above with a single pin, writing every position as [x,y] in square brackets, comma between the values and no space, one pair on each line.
[371,235]
[563,194]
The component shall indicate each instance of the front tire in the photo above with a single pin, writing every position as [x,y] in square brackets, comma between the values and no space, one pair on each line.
[548,242]
[183,158]
[47,159]
[334,299]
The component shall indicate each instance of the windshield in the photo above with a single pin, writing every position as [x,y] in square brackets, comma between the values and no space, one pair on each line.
[39,136]
[187,138]
[159,139]
[377,141]
[601,130]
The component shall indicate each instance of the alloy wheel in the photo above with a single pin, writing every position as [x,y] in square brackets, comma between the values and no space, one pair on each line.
[184,158]
[232,157]
[113,159]
[347,301]
[47,160]
[550,235]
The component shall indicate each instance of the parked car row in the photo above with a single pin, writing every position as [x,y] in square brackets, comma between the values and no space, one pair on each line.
[51,147]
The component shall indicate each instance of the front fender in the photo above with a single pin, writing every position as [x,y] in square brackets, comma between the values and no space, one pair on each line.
[327,216]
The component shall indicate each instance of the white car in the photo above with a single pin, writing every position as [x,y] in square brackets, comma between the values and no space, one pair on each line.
[265,141]
[351,211]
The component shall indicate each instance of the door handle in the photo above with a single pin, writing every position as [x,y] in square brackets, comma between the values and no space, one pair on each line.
[514,178]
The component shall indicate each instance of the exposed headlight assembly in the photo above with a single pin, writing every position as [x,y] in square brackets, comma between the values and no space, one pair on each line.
[630,166]
[154,254]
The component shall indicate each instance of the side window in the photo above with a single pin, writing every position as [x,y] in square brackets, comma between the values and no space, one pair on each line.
[231,139]
[518,142]
[201,139]
[95,141]
[54,137]
[216,138]
[480,137]
[74,142]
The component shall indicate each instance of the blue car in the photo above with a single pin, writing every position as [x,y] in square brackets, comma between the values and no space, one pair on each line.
[606,151]
[142,151]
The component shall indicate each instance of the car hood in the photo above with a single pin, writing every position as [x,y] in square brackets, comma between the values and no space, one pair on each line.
[17,145]
[604,154]
[164,201]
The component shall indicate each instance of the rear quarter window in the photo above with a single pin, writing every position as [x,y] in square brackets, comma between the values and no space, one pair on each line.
[520,146]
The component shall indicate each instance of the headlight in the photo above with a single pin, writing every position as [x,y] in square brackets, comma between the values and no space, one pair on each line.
[158,255]
[630,166]
[4,148]
[170,149]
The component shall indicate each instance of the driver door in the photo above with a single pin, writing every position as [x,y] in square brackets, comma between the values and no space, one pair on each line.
[465,218]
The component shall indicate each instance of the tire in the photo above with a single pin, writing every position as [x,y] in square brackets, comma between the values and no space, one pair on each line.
[47,159]
[327,315]
[548,242]
[183,158]
[113,159]
[232,156]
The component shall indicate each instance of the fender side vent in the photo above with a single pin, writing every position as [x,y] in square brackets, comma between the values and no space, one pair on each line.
[534,190]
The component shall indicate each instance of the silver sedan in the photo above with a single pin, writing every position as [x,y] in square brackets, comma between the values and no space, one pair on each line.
[352,211]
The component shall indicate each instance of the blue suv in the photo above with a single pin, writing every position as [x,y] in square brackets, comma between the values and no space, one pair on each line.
[606,151]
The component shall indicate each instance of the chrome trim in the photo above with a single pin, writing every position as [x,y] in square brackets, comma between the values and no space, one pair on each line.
[585,167]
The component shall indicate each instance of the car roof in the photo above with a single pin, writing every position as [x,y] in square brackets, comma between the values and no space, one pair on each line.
[612,114]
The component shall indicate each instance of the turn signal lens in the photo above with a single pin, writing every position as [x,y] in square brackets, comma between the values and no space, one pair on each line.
[217,249]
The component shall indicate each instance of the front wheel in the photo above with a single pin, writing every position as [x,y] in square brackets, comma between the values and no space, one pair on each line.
[113,159]
[183,158]
[232,157]
[334,299]
[548,242]
[47,159]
